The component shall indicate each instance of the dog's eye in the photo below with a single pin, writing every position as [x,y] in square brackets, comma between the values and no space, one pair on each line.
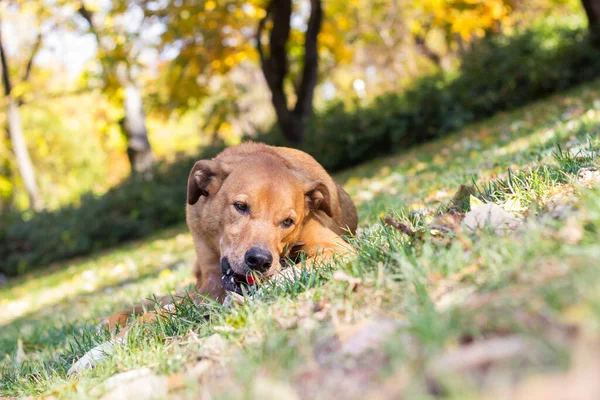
[241,207]
[286,223]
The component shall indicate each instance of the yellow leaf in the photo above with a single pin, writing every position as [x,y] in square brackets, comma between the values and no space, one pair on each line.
[210,5]
[474,202]
[5,187]
[512,205]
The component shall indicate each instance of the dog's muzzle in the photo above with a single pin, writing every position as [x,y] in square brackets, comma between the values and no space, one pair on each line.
[233,282]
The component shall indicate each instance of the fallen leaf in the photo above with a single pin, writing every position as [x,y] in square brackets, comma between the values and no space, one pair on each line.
[139,383]
[580,382]
[512,205]
[370,335]
[581,153]
[588,176]
[474,203]
[212,347]
[490,215]
[201,368]
[479,354]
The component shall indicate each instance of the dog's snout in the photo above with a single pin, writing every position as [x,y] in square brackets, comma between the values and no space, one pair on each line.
[258,259]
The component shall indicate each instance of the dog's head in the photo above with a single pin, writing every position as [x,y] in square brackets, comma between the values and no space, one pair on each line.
[256,208]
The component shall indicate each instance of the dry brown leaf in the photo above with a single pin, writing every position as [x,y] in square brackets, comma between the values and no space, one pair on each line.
[580,382]
[370,335]
[588,177]
[212,347]
[201,368]
[479,354]
[139,383]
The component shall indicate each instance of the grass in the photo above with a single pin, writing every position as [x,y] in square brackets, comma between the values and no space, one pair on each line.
[438,313]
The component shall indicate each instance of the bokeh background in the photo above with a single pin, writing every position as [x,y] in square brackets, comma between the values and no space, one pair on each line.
[106,104]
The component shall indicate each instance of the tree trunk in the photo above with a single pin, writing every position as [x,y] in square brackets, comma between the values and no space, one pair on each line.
[592,10]
[423,48]
[17,139]
[133,126]
[6,202]
[292,122]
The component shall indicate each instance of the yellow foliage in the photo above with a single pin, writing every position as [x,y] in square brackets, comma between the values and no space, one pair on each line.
[210,5]
[467,18]
[5,187]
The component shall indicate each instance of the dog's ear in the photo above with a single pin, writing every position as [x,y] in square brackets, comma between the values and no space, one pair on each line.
[318,198]
[205,179]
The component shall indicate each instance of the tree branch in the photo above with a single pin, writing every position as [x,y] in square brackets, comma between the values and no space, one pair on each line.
[87,15]
[277,61]
[275,64]
[306,90]
[259,33]
[421,45]
[34,51]
[5,70]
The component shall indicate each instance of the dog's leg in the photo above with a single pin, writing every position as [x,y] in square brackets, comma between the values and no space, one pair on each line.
[321,245]
[209,286]
[120,318]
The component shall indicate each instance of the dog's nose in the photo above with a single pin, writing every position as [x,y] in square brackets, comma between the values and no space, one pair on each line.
[258,259]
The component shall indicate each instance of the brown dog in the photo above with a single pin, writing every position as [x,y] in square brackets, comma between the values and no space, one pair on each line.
[254,205]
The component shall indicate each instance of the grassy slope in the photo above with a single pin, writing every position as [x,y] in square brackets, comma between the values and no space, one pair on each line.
[404,318]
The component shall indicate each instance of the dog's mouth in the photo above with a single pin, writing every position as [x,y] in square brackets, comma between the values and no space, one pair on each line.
[236,283]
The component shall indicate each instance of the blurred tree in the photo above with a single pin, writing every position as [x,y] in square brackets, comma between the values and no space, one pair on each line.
[14,125]
[120,74]
[592,10]
[211,38]
[201,41]
[274,62]
[378,42]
